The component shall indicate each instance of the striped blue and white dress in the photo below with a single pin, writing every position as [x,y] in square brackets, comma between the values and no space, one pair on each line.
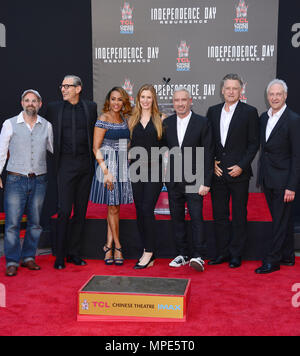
[114,152]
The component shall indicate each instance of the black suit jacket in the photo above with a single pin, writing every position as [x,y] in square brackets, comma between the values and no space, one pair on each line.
[279,164]
[198,134]
[242,141]
[54,114]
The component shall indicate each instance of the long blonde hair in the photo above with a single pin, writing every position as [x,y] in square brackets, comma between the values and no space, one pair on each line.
[155,113]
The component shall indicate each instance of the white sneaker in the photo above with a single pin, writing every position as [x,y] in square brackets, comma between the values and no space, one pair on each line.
[179,261]
[197,263]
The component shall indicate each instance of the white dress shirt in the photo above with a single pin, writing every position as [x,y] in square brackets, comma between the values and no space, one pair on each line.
[182,125]
[273,119]
[7,132]
[225,122]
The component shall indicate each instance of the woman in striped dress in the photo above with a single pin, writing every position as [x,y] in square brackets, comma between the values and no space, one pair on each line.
[111,184]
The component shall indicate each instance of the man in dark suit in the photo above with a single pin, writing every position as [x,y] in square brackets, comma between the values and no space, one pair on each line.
[279,174]
[73,121]
[236,134]
[185,133]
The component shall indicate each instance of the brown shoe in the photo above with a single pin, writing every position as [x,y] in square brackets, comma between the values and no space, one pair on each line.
[31,265]
[11,271]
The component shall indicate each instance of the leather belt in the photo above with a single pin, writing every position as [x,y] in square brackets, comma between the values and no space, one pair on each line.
[29,175]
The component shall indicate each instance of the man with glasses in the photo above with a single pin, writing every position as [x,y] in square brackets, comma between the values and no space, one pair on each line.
[26,138]
[73,121]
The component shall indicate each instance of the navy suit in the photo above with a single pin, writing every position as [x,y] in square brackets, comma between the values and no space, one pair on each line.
[279,169]
[198,134]
[240,148]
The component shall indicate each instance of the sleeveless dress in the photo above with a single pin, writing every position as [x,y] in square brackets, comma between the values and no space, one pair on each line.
[115,154]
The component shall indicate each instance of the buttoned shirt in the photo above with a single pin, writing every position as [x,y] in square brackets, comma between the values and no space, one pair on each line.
[74,138]
[273,119]
[225,122]
[182,125]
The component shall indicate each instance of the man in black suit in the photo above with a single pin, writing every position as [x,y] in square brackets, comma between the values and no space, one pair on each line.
[236,134]
[73,121]
[279,174]
[185,133]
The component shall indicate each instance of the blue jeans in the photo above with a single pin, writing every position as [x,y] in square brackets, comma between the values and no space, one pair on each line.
[22,195]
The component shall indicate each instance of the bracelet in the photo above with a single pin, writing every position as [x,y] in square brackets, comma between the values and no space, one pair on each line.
[101,164]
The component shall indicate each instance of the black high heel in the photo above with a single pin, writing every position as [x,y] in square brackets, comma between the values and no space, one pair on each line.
[147,265]
[108,261]
[119,261]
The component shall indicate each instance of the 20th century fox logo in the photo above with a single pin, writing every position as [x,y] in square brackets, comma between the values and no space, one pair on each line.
[2,35]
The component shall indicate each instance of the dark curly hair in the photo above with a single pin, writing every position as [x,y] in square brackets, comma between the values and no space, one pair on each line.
[127,109]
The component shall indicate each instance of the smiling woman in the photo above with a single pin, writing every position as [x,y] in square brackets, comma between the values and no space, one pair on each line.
[111,184]
[146,132]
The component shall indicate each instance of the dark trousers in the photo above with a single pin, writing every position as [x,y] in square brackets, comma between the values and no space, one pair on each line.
[177,199]
[74,183]
[145,195]
[230,244]
[282,241]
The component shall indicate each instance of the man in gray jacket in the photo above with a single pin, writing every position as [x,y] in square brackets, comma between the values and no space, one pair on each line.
[26,138]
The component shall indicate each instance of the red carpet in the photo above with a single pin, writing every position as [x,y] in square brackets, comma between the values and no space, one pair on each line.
[223,301]
[257,209]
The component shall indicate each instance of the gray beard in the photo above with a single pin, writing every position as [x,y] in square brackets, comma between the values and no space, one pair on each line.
[31,112]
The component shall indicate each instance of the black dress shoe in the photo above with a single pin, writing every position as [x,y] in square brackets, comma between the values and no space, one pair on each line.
[287,262]
[267,268]
[76,261]
[235,262]
[59,265]
[218,260]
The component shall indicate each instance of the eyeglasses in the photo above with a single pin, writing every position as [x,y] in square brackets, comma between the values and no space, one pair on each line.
[66,86]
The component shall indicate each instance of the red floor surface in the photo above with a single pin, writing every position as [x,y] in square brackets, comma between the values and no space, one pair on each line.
[223,301]
[257,209]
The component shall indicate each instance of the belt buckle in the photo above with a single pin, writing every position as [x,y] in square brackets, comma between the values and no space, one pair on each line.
[31,175]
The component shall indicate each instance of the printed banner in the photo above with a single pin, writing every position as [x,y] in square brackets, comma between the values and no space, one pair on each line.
[171,43]
[131,305]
